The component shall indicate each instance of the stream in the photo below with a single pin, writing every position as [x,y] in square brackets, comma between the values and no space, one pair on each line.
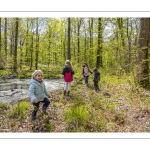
[14,90]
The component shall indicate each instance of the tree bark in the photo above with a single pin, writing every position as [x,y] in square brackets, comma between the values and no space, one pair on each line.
[15,49]
[142,75]
[37,45]
[99,49]
[5,38]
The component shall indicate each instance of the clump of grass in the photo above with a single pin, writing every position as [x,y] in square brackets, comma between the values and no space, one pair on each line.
[4,106]
[77,117]
[19,110]
[48,126]
[4,72]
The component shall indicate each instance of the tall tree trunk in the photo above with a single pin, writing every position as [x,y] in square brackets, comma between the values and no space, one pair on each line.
[128,58]
[15,48]
[69,55]
[5,38]
[99,49]
[49,46]
[142,63]
[78,37]
[91,39]
[64,44]
[121,40]
[21,54]
[31,53]
[27,41]
[37,45]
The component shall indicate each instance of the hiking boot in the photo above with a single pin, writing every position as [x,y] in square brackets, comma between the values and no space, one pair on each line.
[44,110]
[33,118]
[64,93]
[68,93]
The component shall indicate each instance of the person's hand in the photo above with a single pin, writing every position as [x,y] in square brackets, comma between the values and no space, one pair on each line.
[49,96]
[36,101]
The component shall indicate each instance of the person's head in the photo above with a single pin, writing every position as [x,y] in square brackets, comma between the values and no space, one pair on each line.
[85,64]
[68,64]
[37,75]
[95,70]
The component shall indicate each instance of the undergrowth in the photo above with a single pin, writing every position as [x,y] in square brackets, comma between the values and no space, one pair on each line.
[120,106]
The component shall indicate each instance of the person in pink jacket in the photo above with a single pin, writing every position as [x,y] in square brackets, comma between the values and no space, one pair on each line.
[86,74]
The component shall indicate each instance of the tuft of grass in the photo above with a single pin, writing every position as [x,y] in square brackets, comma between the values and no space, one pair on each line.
[4,106]
[48,126]
[77,117]
[19,110]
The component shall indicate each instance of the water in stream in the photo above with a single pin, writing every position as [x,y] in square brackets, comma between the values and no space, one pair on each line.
[13,90]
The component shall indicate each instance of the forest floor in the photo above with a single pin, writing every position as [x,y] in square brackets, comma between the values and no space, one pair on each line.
[118,107]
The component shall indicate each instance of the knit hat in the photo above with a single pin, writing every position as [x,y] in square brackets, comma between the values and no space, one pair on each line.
[36,72]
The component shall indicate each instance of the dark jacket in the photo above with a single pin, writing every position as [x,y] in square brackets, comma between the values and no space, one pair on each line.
[67,69]
[96,76]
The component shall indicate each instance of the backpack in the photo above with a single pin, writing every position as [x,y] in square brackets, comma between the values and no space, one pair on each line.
[68,77]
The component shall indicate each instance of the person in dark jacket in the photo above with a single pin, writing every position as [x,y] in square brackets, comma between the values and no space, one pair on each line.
[96,79]
[68,76]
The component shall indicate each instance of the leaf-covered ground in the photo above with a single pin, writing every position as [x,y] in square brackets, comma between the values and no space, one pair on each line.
[120,107]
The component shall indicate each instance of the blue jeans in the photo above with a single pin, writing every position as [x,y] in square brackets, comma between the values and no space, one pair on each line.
[86,79]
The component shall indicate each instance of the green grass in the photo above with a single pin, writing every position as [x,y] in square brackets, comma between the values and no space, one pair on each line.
[19,110]
[77,118]
[4,106]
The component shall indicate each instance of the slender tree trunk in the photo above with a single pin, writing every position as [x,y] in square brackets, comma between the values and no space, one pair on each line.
[5,38]
[37,45]
[21,55]
[31,53]
[78,36]
[91,39]
[69,55]
[15,48]
[27,41]
[49,46]
[99,50]
[64,44]
[142,63]
[121,40]
[128,59]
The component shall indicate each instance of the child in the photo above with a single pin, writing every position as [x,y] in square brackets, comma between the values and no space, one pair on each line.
[38,93]
[85,73]
[96,79]
[68,76]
